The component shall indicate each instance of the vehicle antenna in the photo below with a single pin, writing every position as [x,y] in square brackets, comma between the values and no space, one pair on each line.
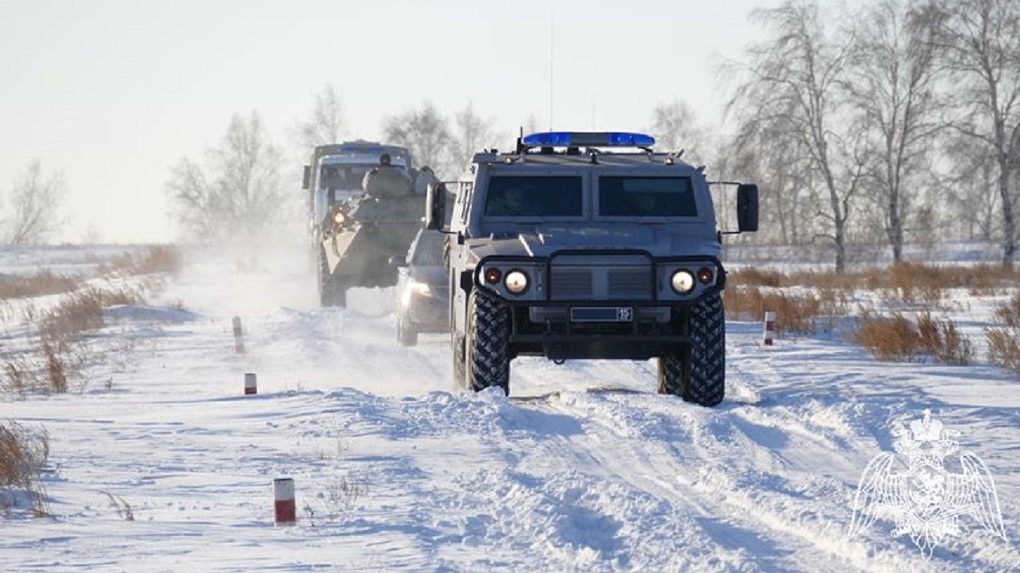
[551,64]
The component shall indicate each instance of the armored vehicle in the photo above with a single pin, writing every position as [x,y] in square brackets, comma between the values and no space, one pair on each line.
[354,232]
[581,245]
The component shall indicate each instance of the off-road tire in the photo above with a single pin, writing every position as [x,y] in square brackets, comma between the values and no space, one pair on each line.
[459,379]
[406,335]
[332,291]
[697,372]
[487,360]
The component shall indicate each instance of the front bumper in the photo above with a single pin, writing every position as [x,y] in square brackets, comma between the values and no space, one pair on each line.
[426,313]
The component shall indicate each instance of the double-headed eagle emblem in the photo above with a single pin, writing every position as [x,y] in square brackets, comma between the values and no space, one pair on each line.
[926,500]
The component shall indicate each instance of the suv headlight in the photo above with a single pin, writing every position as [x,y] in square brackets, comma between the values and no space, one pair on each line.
[682,281]
[516,281]
[419,288]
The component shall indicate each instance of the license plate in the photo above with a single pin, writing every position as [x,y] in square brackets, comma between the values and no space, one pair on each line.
[601,314]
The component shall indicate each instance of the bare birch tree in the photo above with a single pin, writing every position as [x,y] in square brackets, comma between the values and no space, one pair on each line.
[765,152]
[35,202]
[893,82]
[326,124]
[797,89]
[472,134]
[425,132]
[675,127]
[238,194]
[983,42]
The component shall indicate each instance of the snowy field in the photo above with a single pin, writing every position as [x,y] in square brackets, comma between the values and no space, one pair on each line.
[584,468]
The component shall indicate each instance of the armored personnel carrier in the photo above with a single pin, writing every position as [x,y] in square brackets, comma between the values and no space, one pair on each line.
[582,245]
[355,229]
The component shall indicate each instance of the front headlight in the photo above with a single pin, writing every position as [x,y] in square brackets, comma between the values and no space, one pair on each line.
[420,289]
[516,282]
[682,281]
[339,218]
[412,289]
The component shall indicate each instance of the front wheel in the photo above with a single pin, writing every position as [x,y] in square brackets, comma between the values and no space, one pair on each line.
[486,356]
[406,335]
[697,372]
[332,291]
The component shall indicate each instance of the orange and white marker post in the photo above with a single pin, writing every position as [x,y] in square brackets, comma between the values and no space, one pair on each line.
[770,327]
[238,336]
[251,383]
[286,509]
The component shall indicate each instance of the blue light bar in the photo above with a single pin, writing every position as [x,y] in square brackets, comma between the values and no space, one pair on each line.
[367,149]
[588,139]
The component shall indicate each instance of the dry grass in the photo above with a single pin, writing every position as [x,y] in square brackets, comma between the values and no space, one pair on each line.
[887,337]
[910,283]
[157,259]
[19,375]
[23,455]
[1004,341]
[808,302]
[943,341]
[40,284]
[82,311]
[898,338]
[124,510]
[62,347]
[795,313]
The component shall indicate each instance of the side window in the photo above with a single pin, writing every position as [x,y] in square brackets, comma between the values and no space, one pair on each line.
[464,196]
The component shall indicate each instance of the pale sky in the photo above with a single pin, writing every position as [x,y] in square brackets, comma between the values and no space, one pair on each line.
[115,92]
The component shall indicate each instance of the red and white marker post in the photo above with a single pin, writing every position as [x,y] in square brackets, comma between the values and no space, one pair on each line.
[286,509]
[251,383]
[238,336]
[770,327]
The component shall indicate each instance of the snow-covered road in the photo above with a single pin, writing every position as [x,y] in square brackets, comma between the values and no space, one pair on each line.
[584,468]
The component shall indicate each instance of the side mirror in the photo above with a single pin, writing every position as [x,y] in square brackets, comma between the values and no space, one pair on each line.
[435,206]
[747,207]
[307,177]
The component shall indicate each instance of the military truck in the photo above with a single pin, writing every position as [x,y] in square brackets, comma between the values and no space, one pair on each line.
[581,245]
[354,234]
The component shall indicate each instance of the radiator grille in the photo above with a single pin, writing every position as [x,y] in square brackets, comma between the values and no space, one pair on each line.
[604,278]
[567,283]
[629,283]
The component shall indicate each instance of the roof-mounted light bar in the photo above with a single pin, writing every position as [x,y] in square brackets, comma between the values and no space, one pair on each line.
[587,139]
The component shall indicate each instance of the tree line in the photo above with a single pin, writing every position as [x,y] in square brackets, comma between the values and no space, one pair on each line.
[897,120]
[891,122]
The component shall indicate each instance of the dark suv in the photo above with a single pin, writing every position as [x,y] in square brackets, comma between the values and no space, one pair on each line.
[422,292]
[588,245]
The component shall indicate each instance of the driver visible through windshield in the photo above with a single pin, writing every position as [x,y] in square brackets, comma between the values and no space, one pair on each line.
[535,196]
[646,197]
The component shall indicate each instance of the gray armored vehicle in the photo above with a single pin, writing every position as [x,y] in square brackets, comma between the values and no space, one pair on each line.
[583,246]
[362,213]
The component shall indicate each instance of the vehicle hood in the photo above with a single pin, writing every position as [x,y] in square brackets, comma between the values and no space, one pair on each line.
[658,240]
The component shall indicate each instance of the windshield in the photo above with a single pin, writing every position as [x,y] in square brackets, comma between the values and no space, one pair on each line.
[633,196]
[534,196]
[343,176]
